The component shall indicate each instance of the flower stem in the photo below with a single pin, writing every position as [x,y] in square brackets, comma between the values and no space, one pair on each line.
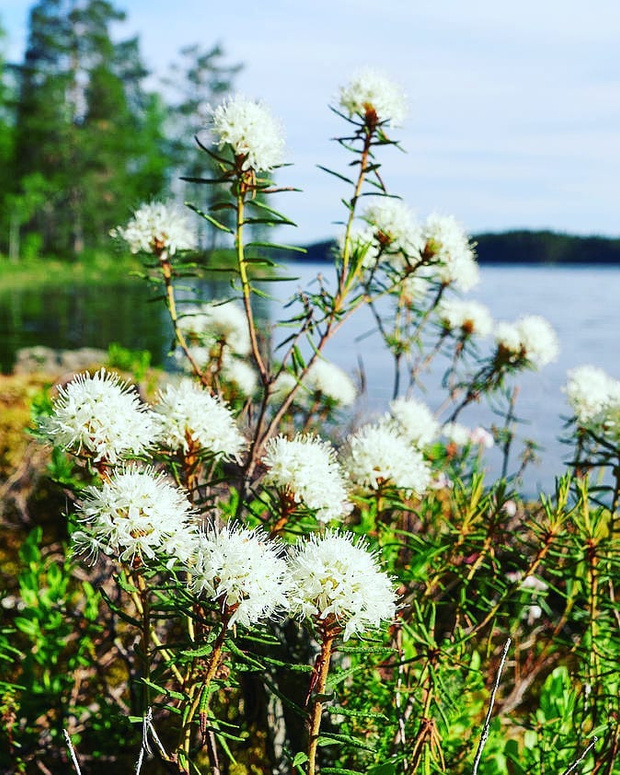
[198,699]
[344,281]
[320,682]
[166,268]
[140,600]
[245,285]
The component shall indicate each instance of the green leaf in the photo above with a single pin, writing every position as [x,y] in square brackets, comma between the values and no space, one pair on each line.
[211,219]
[339,711]
[386,768]
[276,246]
[340,771]
[200,651]
[299,362]
[163,690]
[336,174]
[329,738]
[262,206]
[301,758]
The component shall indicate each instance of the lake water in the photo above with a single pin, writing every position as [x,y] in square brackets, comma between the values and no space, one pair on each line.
[580,302]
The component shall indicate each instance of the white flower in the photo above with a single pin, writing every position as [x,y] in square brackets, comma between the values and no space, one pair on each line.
[538,587]
[201,356]
[414,421]
[533,612]
[363,245]
[482,437]
[540,341]
[331,382]
[508,338]
[449,245]
[369,93]
[243,571]
[240,374]
[306,469]
[413,288]
[533,582]
[218,323]
[456,433]
[467,317]
[395,229]
[531,338]
[590,390]
[157,227]
[100,416]
[440,481]
[462,436]
[189,416]
[337,581]
[136,515]
[283,385]
[252,132]
[509,508]
[378,455]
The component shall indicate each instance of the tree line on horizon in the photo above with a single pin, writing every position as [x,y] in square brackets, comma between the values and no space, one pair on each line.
[520,246]
[84,138]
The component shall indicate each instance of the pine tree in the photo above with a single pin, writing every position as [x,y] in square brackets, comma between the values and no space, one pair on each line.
[6,143]
[85,126]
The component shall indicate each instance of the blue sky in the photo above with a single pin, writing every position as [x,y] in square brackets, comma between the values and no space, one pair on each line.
[514,118]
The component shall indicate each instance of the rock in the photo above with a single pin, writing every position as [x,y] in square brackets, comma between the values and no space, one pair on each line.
[55,363]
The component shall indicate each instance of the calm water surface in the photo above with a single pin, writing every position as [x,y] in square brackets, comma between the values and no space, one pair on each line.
[581,303]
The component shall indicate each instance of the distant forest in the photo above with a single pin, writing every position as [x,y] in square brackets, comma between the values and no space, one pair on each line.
[520,247]
[84,137]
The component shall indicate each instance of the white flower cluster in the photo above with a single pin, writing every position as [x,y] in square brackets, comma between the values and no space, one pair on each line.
[219,335]
[324,380]
[249,128]
[239,373]
[243,570]
[370,92]
[440,246]
[394,228]
[338,582]
[217,322]
[531,338]
[453,256]
[465,317]
[594,398]
[102,417]
[414,421]
[189,415]
[307,470]
[136,516]
[379,455]
[590,391]
[331,382]
[157,228]
[462,436]
[332,580]
[282,386]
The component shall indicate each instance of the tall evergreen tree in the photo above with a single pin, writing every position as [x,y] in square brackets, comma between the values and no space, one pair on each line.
[85,127]
[6,141]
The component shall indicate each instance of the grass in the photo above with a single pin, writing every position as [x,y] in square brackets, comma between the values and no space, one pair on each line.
[96,266]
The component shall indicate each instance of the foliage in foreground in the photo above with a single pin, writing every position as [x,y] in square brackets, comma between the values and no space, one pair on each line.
[266,589]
